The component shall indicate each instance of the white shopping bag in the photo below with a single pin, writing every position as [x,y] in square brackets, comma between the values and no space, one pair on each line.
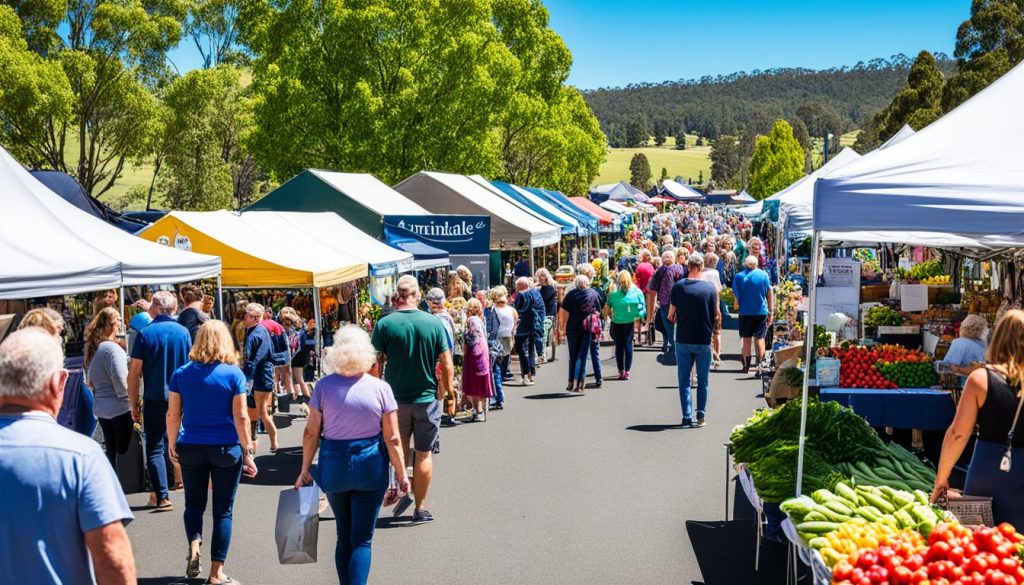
[298,523]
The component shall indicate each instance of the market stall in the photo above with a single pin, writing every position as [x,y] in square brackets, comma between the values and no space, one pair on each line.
[571,227]
[680,192]
[621,191]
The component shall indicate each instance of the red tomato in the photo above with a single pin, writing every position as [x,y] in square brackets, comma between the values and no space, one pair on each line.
[1008,565]
[867,559]
[901,575]
[978,564]
[970,549]
[995,578]
[938,551]
[879,575]
[914,562]
[956,554]
[937,570]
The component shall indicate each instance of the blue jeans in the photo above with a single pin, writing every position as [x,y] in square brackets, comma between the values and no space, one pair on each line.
[686,355]
[354,475]
[670,330]
[526,349]
[595,357]
[200,466]
[496,379]
[154,426]
[579,350]
[622,334]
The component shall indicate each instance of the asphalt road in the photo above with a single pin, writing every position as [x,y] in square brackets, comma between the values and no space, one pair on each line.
[556,489]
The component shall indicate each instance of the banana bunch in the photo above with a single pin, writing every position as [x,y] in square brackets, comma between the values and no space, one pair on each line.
[941,279]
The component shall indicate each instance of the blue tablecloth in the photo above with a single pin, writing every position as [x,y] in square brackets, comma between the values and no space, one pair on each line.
[906,408]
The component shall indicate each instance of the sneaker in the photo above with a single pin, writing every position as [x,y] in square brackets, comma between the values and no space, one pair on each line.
[687,423]
[622,375]
[164,505]
[700,421]
[402,505]
[450,421]
[422,517]
[627,375]
[478,417]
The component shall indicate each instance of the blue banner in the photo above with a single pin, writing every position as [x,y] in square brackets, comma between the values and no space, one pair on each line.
[456,234]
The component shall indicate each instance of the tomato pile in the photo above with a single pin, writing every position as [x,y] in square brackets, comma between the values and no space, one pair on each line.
[955,555]
[863,367]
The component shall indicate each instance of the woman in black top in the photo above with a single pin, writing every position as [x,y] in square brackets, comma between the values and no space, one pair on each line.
[991,400]
[577,306]
[549,294]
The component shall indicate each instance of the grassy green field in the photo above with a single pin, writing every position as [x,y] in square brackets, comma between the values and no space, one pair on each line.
[679,163]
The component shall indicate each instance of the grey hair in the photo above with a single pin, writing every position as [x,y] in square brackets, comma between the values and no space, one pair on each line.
[696,259]
[523,282]
[254,309]
[165,302]
[645,253]
[407,288]
[351,354]
[751,262]
[582,281]
[974,327]
[435,294]
[668,256]
[28,358]
[711,259]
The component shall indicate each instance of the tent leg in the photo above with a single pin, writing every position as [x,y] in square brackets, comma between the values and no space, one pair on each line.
[812,287]
[220,298]
[533,266]
[558,255]
[319,330]
[124,322]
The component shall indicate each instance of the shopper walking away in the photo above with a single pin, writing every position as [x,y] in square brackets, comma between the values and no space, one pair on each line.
[991,406]
[411,343]
[259,373]
[207,407]
[106,367]
[753,290]
[160,349]
[508,319]
[435,304]
[694,311]
[476,367]
[644,273]
[628,306]
[357,417]
[64,511]
[304,346]
[192,315]
[712,275]
[549,294]
[577,317]
[661,284]
[491,324]
[530,307]
[595,346]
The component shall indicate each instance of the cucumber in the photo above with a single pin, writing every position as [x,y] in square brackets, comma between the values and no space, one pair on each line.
[818,542]
[816,516]
[817,527]
[846,492]
[880,503]
[870,512]
[839,508]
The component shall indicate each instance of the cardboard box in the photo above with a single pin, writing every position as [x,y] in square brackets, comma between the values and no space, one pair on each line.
[793,351]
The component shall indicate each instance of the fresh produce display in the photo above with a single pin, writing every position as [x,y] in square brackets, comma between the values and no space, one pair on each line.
[883,315]
[898,468]
[884,366]
[954,554]
[922,271]
[937,280]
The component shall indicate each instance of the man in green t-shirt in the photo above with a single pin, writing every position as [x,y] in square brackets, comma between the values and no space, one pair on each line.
[412,343]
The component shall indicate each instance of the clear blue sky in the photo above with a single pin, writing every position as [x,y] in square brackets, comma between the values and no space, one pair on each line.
[617,42]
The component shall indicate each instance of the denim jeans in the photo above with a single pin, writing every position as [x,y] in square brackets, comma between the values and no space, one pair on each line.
[497,381]
[579,350]
[670,329]
[154,426]
[202,465]
[595,357]
[354,475]
[686,356]
[526,350]
[622,334]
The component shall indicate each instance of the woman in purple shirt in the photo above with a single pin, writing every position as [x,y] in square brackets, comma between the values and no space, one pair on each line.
[358,416]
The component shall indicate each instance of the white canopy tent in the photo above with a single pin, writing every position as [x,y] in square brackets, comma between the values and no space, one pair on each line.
[957,183]
[618,208]
[50,247]
[795,201]
[680,192]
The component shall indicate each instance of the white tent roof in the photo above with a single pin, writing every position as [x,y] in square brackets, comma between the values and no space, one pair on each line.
[616,207]
[536,200]
[511,226]
[679,191]
[962,175]
[50,247]
[370,192]
[795,201]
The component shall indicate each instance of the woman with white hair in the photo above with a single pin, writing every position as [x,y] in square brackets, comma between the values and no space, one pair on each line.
[967,352]
[357,416]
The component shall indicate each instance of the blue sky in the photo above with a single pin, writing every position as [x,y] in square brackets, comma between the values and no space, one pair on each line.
[617,42]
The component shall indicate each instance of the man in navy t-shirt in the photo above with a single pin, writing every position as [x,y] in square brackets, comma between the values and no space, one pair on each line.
[694,311]
[160,349]
[753,289]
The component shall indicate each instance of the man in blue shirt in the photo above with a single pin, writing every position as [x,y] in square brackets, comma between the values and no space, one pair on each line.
[530,307]
[259,372]
[753,289]
[695,312]
[62,503]
[160,349]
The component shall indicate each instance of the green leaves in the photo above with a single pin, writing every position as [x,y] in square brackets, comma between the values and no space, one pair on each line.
[640,171]
[777,162]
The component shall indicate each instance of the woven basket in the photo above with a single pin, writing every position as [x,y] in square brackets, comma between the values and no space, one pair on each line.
[969,510]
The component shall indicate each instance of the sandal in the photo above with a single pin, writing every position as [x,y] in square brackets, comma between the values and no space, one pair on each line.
[227,581]
[193,567]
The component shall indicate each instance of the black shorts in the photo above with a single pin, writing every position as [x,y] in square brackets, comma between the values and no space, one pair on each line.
[755,326]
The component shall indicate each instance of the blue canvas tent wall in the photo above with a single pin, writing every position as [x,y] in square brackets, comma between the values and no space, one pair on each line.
[360,198]
[562,202]
[569,225]
[50,247]
[71,191]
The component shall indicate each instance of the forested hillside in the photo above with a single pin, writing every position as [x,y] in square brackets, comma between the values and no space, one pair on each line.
[729,104]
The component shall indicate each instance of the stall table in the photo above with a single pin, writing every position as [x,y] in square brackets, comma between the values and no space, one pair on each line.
[905,408]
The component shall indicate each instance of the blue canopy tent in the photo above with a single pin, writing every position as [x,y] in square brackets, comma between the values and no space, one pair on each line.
[71,191]
[424,255]
[562,203]
[569,224]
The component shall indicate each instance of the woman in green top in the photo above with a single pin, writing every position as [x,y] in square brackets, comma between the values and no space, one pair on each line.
[628,304]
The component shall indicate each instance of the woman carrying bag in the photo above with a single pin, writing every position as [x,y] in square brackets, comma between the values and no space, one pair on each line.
[992,401]
[357,415]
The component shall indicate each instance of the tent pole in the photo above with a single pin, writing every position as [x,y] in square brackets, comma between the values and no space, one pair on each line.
[812,287]
[319,330]
[532,265]
[124,322]
[220,297]
[558,255]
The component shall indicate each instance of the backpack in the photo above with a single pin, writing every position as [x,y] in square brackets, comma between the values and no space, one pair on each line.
[592,323]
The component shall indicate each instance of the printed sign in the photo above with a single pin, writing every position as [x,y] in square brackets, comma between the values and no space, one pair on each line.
[845,300]
[455,234]
[913,297]
[842,272]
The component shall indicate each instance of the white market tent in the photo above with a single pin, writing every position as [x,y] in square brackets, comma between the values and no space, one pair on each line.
[621,191]
[680,192]
[957,183]
[617,208]
[50,247]
[512,228]
[795,201]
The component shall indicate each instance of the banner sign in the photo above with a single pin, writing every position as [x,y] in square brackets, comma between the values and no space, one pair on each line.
[456,234]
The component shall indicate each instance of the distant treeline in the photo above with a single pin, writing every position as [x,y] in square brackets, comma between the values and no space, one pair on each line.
[731,104]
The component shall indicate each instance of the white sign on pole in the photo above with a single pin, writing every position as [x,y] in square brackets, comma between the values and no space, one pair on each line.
[842,272]
[913,297]
[830,300]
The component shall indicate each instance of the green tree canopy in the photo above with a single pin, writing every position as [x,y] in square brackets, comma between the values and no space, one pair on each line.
[918,103]
[637,131]
[640,171]
[988,44]
[725,158]
[777,162]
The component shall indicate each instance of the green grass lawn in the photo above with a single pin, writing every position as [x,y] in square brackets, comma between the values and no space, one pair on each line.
[682,163]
